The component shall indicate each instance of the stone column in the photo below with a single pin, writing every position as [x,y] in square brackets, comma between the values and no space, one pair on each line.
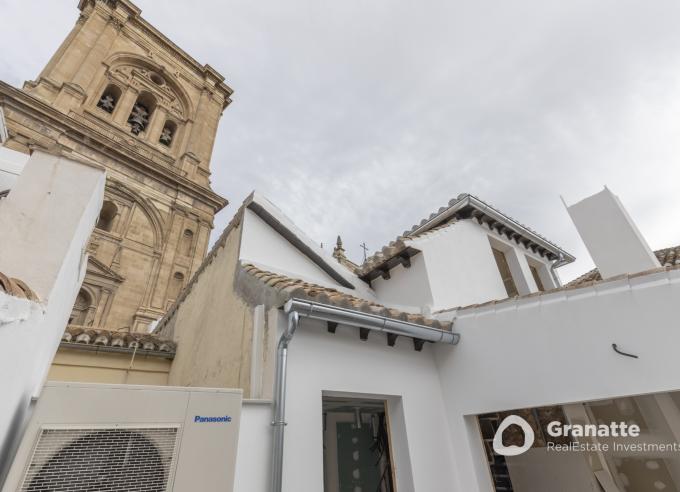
[153,280]
[61,67]
[101,307]
[124,106]
[85,75]
[114,223]
[195,144]
[72,94]
[89,316]
[163,273]
[158,119]
[107,300]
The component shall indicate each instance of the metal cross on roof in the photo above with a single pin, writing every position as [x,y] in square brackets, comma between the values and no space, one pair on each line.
[365,248]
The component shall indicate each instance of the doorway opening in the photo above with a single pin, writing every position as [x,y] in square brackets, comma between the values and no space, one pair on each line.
[356,446]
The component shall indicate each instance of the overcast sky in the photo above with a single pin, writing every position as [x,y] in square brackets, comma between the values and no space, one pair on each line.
[360,118]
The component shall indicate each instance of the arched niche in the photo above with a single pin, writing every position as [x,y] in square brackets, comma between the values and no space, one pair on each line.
[81,308]
[168,133]
[142,111]
[145,212]
[122,65]
[109,98]
[108,213]
[187,242]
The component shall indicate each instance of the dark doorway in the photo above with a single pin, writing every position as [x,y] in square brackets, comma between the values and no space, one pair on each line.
[356,439]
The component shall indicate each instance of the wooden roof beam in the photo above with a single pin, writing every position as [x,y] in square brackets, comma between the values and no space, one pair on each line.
[405,260]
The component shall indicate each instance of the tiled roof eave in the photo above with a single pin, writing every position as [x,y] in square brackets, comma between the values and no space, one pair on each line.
[666,256]
[120,350]
[101,340]
[463,207]
[300,289]
[468,206]
[381,264]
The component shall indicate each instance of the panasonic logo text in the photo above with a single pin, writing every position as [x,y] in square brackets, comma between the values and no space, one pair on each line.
[203,420]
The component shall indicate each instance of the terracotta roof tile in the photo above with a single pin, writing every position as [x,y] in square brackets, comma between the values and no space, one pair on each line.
[75,335]
[666,256]
[300,289]
[384,259]
[16,288]
[396,248]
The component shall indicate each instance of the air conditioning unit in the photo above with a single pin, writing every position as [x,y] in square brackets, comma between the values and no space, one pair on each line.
[115,438]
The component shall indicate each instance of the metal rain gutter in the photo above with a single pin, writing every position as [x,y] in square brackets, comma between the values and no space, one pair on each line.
[559,262]
[324,312]
[296,308]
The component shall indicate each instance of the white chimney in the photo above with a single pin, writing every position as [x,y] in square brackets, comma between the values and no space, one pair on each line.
[612,238]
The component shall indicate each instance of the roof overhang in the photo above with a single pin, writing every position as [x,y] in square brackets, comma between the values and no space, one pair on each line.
[272,221]
[401,256]
[471,207]
[393,328]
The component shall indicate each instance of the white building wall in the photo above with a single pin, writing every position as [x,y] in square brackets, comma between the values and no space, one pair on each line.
[262,245]
[497,365]
[612,238]
[340,363]
[253,472]
[460,266]
[406,287]
[11,164]
[462,270]
[45,224]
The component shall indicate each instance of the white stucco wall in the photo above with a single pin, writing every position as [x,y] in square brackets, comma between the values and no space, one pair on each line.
[45,224]
[253,473]
[462,270]
[261,244]
[555,349]
[11,164]
[341,363]
[408,288]
[612,238]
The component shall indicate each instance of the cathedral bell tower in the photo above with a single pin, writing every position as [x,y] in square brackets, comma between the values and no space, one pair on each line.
[120,93]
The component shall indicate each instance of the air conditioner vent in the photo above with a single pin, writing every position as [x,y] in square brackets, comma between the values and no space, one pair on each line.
[104,460]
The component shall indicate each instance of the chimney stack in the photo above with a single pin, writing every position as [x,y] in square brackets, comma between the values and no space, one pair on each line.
[612,238]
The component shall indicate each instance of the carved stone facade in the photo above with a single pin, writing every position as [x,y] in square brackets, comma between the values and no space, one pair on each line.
[119,93]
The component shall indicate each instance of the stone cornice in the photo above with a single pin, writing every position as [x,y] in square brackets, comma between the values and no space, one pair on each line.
[89,137]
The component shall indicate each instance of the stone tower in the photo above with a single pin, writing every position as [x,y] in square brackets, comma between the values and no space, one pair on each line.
[118,92]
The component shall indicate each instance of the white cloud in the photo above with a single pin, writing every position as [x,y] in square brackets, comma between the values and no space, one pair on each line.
[361,118]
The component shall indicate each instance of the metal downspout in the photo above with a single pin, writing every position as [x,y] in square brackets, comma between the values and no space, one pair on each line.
[560,261]
[279,421]
[313,310]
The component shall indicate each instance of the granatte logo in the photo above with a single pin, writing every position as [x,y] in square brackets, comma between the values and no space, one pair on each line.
[203,420]
[513,450]
[574,431]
